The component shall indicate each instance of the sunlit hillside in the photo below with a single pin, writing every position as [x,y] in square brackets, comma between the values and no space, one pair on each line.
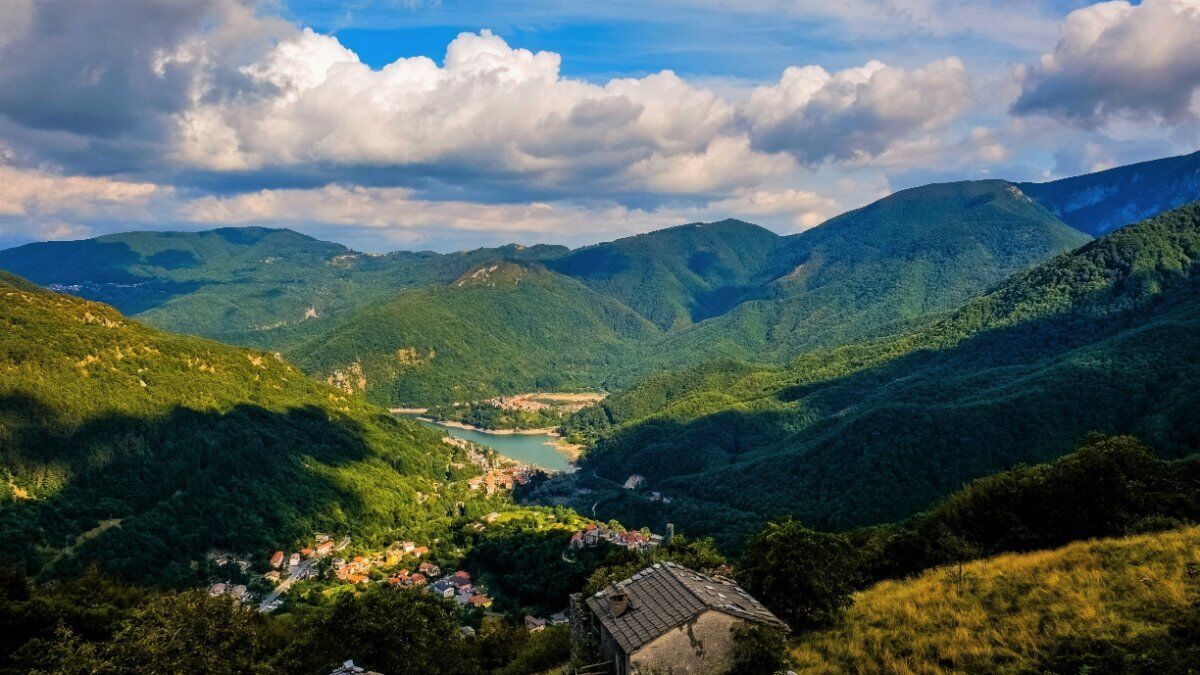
[1062,610]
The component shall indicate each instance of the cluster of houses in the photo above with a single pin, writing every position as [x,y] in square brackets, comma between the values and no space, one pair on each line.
[425,572]
[281,562]
[501,479]
[459,587]
[356,571]
[595,534]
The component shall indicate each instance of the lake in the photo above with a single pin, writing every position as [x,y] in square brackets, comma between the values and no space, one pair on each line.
[536,449]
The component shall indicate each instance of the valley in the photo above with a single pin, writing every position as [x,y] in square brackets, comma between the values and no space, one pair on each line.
[453,337]
[855,418]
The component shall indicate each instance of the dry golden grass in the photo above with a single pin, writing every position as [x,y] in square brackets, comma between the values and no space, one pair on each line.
[1011,609]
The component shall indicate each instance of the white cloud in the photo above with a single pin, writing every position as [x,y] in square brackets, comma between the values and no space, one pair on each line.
[37,194]
[489,109]
[1118,60]
[857,113]
[494,110]
[396,215]
[803,209]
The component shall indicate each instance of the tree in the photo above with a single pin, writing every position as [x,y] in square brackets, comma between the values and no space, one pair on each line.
[803,576]
[189,633]
[759,650]
[385,629]
[698,554]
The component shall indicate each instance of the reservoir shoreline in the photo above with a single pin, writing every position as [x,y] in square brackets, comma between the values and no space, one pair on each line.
[508,442]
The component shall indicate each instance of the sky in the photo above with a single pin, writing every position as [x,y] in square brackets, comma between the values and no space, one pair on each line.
[444,125]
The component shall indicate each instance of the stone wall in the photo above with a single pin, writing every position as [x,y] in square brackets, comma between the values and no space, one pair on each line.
[700,647]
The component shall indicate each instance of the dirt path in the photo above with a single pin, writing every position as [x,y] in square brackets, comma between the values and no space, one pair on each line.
[90,534]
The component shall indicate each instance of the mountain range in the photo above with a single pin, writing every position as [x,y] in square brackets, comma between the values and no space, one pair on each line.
[610,313]
[848,374]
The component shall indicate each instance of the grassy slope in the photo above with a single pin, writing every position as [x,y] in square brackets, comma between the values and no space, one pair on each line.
[507,328]
[191,444]
[1103,339]
[1013,613]
[866,272]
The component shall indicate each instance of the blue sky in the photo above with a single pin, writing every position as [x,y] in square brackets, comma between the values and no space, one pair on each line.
[562,121]
[603,40]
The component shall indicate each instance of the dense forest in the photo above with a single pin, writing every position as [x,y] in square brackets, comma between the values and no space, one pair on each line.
[138,451]
[1101,339]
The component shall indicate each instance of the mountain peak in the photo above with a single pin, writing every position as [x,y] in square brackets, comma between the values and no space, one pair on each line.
[497,273]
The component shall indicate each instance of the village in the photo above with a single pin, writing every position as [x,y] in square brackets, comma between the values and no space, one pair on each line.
[408,564]
[596,533]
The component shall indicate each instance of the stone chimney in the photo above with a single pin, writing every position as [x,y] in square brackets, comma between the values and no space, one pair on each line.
[618,602]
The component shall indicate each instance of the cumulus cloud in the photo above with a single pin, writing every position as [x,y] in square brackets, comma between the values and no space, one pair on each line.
[855,113]
[213,95]
[491,109]
[1117,59]
[93,64]
[37,204]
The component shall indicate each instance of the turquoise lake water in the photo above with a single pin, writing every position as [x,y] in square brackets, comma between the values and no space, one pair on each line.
[536,449]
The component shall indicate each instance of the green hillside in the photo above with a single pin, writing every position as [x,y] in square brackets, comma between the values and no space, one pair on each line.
[252,286]
[680,275]
[866,272]
[139,450]
[1109,606]
[1102,339]
[500,328]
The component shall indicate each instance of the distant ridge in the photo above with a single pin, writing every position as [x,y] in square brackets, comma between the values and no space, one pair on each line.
[1098,203]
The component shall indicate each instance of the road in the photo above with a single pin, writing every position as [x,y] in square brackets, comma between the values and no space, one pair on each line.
[303,570]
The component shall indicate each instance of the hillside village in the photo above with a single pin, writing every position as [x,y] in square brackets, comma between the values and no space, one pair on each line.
[409,564]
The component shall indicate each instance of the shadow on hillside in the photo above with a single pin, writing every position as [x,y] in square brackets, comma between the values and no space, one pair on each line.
[189,481]
[99,271]
[882,443]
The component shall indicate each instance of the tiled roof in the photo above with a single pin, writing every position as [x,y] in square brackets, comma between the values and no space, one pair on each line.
[668,595]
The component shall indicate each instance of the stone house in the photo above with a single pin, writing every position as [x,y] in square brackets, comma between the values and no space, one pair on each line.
[668,617]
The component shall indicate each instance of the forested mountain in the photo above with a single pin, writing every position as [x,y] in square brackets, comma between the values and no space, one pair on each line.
[681,275]
[1101,202]
[139,450]
[501,327]
[1102,339]
[901,258]
[252,286]
[618,310]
